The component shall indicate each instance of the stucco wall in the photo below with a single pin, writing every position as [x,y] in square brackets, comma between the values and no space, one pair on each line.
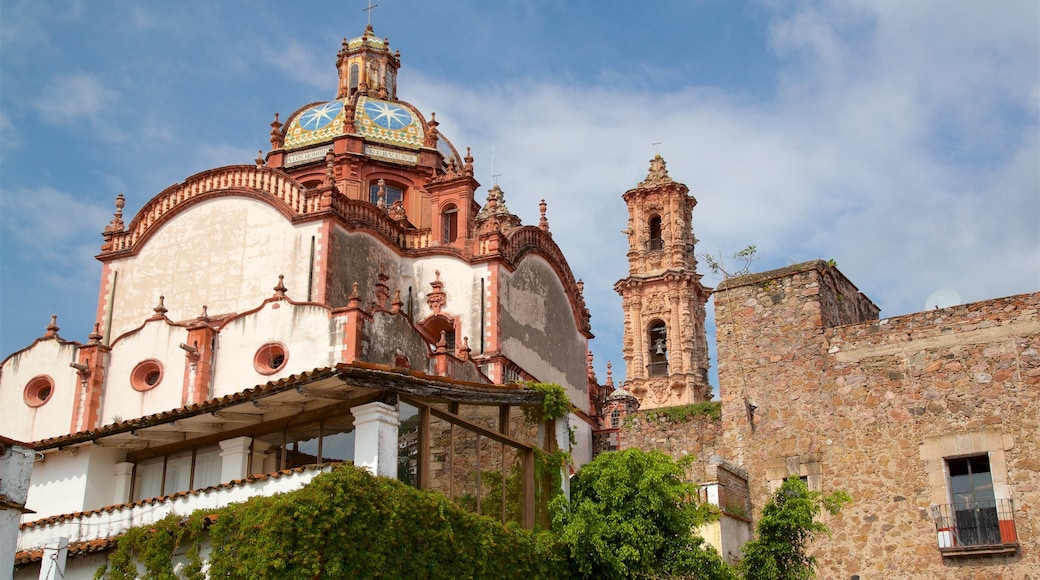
[158,341]
[306,332]
[24,423]
[225,253]
[863,407]
[538,328]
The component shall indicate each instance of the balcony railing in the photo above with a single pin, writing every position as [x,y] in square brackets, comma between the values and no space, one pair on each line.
[657,369]
[978,527]
[655,244]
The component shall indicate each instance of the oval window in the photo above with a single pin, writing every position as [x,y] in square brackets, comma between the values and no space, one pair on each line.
[38,391]
[270,358]
[147,375]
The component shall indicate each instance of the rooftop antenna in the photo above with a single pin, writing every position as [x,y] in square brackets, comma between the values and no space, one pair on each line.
[369,11]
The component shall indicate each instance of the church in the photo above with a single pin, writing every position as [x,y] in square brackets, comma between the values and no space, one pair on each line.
[354,295]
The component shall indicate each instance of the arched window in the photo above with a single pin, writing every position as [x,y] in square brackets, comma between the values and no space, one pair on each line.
[657,347]
[449,223]
[656,241]
[392,192]
[352,81]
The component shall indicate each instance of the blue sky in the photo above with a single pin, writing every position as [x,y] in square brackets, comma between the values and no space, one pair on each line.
[901,139]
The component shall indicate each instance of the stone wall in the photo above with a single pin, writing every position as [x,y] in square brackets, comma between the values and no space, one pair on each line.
[695,435]
[877,408]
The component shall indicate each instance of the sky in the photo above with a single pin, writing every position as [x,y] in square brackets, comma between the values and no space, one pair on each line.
[899,139]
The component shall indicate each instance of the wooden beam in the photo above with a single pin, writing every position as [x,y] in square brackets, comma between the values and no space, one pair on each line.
[456,420]
[527,507]
[192,427]
[232,417]
[424,448]
[422,387]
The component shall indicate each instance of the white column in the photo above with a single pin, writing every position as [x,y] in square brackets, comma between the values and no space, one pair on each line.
[234,454]
[124,474]
[52,567]
[375,438]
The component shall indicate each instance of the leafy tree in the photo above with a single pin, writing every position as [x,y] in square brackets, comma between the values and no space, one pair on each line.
[785,530]
[632,515]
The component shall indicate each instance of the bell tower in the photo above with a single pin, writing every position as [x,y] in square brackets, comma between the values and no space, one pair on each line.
[665,344]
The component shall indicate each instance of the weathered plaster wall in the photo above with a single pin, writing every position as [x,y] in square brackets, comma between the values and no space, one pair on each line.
[225,253]
[356,257]
[305,331]
[158,341]
[538,328]
[865,408]
[22,422]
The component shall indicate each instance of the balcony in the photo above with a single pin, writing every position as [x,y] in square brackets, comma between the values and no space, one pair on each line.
[657,369]
[979,528]
[655,244]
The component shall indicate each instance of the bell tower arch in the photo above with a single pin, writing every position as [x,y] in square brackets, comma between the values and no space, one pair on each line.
[665,343]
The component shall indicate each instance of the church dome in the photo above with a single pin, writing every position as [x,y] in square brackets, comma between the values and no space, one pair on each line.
[380,120]
[366,106]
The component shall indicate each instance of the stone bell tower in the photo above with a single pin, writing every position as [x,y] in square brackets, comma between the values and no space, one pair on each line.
[665,345]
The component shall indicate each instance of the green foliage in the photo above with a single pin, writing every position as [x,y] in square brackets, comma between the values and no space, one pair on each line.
[684,413]
[345,524]
[555,405]
[785,530]
[632,515]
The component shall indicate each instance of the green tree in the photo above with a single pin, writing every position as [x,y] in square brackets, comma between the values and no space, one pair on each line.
[785,530]
[632,515]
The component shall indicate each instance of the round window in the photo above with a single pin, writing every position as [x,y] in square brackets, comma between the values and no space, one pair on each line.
[38,391]
[270,358]
[147,375]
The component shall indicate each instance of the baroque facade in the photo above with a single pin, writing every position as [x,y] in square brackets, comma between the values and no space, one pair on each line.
[346,298]
[343,298]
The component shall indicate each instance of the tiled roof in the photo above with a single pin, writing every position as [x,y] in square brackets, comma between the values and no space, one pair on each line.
[155,500]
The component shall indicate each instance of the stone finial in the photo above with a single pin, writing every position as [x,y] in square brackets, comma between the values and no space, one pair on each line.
[610,375]
[543,222]
[354,300]
[160,309]
[204,315]
[280,289]
[465,350]
[382,289]
[468,167]
[433,134]
[95,336]
[381,194]
[52,328]
[116,225]
[658,172]
[330,169]
[436,298]
[442,344]
[581,286]
[259,158]
[277,139]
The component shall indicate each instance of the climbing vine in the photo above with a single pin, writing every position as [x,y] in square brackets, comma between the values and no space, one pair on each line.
[556,403]
[345,524]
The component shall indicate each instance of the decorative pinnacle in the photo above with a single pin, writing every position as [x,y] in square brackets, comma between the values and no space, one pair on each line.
[279,290]
[95,337]
[160,309]
[543,222]
[52,328]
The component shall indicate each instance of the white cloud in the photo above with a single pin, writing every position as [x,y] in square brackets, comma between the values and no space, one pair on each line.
[847,162]
[54,231]
[74,97]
